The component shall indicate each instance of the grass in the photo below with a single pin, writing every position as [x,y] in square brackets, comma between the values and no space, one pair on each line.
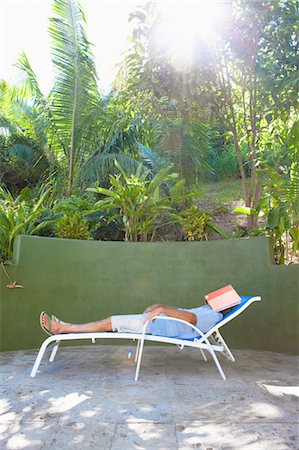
[221,192]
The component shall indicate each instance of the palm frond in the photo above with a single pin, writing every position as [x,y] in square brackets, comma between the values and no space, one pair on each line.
[32,83]
[25,153]
[186,145]
[151,159]
[100,165]
[75,90]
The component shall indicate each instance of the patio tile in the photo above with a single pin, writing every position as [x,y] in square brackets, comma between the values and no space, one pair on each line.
[42,434]
[88,398]
[229,435]
[154,436]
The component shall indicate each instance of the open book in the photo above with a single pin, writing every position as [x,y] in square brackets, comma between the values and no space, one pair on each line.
[223,298]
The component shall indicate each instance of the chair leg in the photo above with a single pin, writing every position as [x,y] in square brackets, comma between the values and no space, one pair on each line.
[227,351]
[203,354]
[140,350]
[54,351]
[137,351]
[216,361]
[218,365]
[40,356]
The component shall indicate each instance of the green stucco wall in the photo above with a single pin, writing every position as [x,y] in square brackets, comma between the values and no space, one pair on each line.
[87,280]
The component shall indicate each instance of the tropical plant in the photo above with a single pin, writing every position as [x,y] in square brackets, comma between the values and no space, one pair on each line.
[74,204]
[19,216]
[279,207]
[197,224]
[72,227]
[279,204]
[143,204]
[23,147]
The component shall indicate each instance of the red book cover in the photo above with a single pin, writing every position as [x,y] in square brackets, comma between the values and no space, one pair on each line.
[223,298]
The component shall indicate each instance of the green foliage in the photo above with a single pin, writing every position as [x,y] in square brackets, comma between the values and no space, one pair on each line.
[64,125]
[197,224]
[75,97]
[185,144]
[72,227]
[142,203]
[231,113]
[279,207]
[4,158]
[74,206]
[22,139]
[18,216]
[223,163]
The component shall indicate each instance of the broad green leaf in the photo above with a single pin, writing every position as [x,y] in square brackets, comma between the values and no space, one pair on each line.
[120,169]
[108,192]
[294,233]
[273,218]
[159,178]
[156,196]
[177,189]
[245,210]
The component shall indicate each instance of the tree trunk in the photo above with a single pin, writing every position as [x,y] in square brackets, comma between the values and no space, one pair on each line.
[228,95]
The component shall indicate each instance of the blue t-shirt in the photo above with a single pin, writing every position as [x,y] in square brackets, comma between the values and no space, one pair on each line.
[206,319]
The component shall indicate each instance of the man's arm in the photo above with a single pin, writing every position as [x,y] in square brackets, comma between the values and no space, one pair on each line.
[172,311]
[157,305]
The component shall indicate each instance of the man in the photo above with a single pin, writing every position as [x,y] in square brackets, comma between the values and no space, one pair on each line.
[203,317]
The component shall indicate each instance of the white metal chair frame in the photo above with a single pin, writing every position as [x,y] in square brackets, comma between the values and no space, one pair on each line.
[212,341]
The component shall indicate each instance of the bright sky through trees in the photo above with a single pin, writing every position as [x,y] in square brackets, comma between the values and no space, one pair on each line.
[182,24]
[24,27]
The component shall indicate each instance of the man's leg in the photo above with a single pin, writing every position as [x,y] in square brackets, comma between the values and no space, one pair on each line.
[57,328]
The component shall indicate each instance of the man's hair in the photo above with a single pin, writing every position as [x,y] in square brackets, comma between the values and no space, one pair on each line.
[226,311]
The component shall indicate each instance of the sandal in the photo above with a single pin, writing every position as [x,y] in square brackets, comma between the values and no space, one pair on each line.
[58,320]
[49,329]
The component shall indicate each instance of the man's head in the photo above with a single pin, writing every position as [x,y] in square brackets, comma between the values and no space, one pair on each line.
[227,311]
[224,312]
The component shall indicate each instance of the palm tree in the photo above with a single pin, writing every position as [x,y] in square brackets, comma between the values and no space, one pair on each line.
[72,111]
[84,132]
[74,98]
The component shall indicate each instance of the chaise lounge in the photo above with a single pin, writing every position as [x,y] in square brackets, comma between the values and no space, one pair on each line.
[211,341]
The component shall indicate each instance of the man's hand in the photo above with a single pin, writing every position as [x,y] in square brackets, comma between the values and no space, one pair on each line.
[152,307]
[154,312]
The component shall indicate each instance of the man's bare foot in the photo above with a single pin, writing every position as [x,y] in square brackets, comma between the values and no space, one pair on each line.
[49,325]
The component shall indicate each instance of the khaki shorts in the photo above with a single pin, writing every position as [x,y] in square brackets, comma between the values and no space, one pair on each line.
[129,323]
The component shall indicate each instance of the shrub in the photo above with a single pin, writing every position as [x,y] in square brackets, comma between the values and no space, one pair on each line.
[18,215]
[197,224]
[142,204]
[72,227]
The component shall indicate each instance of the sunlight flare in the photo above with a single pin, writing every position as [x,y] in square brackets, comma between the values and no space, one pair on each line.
[184,27]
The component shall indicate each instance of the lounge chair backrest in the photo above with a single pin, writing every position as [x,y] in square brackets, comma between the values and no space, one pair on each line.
[246,301]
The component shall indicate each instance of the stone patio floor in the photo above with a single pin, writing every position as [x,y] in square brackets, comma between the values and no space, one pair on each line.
[87,398]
